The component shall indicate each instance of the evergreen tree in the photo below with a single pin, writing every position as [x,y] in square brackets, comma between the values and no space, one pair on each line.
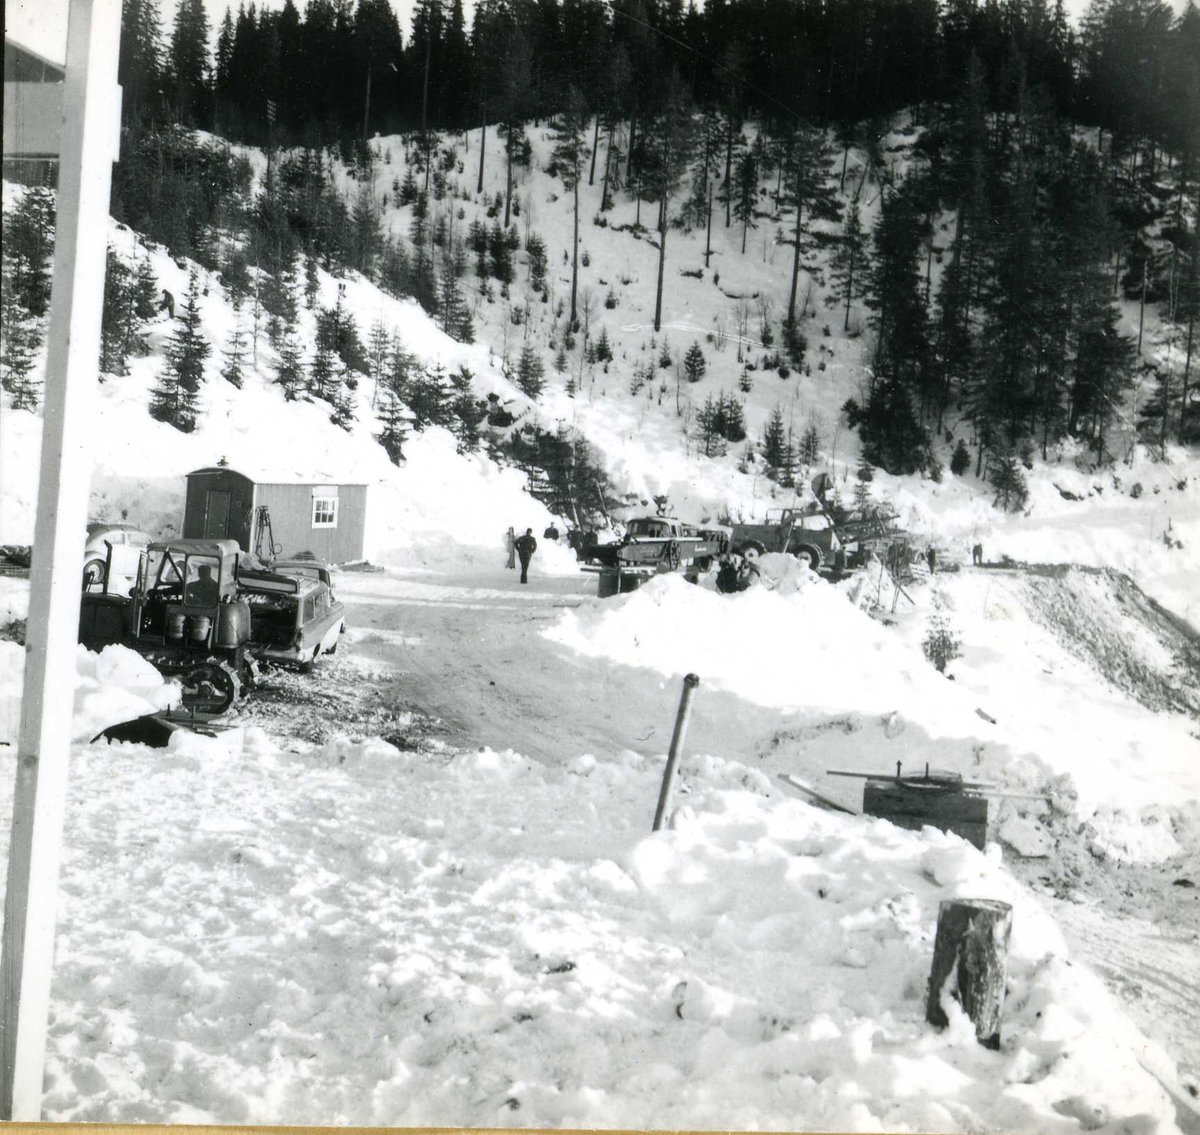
[846,265]
[468,412]
[500,254]
[694,364]
[394,420]
[1006,477]
[735,419]
[775,440]
[28,244]
[175,398]
[189,64]
[891,435]
[536,247]
[116,313]
[570,151]
[289,367]
[708,428]
[430,397]
[810,445]
[140,67]
[233,371]
[19,343]
[960,460]
[530,372]
[453,311]
[746,195]
[365,237]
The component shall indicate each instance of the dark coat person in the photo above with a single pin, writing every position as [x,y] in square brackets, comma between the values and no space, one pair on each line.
[931,559]
[167,304]
[526,546]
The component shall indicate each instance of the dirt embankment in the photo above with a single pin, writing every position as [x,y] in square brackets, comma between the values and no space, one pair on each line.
[1105,619]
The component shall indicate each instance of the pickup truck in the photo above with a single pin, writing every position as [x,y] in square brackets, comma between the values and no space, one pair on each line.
[807,533]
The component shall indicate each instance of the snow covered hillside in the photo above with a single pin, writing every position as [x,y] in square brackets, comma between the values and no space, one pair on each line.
[140,464]
[418,886]
[1077,514]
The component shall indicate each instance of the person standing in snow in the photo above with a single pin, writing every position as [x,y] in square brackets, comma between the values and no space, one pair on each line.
[931,559]
[526,546]
[977,555]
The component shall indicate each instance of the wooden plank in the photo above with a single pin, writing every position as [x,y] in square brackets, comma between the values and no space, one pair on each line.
[85,175]
[818,797]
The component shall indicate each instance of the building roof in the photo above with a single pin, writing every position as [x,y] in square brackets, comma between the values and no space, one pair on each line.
[281,475]
[24,65]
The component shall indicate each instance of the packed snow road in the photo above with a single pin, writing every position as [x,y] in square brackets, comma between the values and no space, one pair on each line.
[468,651]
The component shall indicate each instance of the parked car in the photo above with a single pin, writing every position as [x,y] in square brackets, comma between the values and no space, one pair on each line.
[123,571]
[294,615]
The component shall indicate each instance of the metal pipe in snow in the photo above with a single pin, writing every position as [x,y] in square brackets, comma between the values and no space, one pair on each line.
[685,705]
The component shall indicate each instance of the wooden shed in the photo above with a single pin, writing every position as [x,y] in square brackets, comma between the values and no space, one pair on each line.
[277,513]
[33,102]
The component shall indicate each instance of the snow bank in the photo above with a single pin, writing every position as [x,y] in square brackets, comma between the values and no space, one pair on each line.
[353,934]
[796,643]
[115,685]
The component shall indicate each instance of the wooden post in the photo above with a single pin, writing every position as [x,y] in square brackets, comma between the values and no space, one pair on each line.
[89,147]
[512,548]
[970,955]
[685,704]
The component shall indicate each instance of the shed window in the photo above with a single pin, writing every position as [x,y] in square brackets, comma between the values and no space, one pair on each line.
[324,512]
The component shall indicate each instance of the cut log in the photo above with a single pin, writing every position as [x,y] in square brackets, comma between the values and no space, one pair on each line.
[970,958]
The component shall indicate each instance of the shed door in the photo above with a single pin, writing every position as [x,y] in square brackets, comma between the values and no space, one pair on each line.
[216,515]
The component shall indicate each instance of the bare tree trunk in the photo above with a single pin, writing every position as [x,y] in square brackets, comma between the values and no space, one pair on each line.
[728,164]
[575,260]
[595,147]
[508,149]
[662,265]
[607,163]
[482,144]
[795,265]
[708,234]
[367,101]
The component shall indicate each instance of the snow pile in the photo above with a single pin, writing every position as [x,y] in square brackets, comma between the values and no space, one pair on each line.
[115,685]
[793,642]
[353,934]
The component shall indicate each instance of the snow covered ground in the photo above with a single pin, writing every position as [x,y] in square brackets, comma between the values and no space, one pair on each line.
[361,935]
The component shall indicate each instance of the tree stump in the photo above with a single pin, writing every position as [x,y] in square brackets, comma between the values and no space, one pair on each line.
[970,956]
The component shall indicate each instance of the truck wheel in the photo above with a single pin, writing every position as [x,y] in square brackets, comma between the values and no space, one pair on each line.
[752,550]
[307,665]
[809,555]
[93,573]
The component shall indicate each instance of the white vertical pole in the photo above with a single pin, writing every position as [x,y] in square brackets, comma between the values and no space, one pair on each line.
[85,176]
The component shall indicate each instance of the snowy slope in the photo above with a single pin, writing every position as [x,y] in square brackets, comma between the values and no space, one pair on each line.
[140,464]
[648,440]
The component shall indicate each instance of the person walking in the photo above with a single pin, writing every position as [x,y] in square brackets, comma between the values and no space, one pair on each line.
[977,555]
[526,546]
